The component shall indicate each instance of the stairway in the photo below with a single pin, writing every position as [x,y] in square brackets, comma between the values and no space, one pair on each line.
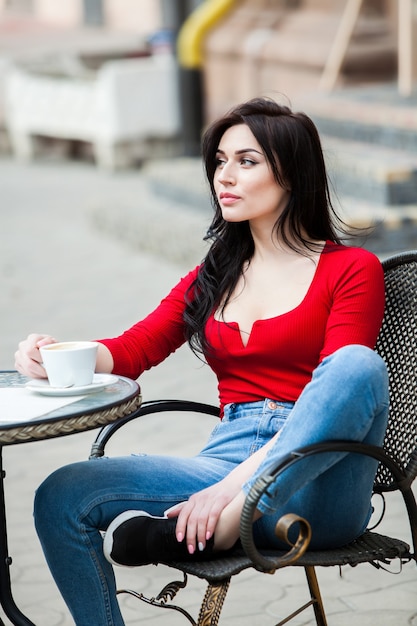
[369,137]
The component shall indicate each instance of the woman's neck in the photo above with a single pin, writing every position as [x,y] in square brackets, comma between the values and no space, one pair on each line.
[270,246]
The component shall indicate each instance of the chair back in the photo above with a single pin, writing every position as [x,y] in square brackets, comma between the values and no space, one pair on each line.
[397,345]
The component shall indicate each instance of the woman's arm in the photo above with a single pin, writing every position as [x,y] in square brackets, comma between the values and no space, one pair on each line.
[142,346]
[154,338]
[356,284]
[105,361]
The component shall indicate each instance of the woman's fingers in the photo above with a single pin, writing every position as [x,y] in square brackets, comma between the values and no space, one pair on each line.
[174,511]
[206,524]
[197,519]
[28,360]
[183,521]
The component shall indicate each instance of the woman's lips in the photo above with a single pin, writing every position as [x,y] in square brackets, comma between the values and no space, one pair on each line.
[228,198]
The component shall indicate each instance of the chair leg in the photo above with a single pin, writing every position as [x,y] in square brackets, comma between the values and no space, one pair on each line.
[212,603]
[315,596]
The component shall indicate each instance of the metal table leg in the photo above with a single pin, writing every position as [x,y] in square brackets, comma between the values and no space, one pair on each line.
[6,599]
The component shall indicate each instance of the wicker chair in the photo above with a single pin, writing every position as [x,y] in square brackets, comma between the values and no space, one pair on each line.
[396,471]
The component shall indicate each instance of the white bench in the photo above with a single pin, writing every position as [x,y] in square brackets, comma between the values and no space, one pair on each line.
[125,101]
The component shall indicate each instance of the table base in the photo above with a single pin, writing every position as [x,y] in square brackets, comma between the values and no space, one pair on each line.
[6,598]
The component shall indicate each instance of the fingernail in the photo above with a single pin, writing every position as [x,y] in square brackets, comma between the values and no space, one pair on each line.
[191,549]
[200,546]
[208,535]
[180,537]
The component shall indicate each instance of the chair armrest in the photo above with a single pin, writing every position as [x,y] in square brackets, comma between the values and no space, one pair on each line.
[146,408]
[261,562]
[270,564]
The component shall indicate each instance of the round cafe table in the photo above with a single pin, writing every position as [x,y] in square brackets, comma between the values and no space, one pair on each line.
[118,399]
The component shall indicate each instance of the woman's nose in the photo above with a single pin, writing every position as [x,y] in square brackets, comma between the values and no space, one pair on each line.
[226,175]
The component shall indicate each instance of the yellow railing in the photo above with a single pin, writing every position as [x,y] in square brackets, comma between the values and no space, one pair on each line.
[194,29]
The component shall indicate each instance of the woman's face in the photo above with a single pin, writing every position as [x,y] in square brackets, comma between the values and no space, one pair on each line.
[244,182]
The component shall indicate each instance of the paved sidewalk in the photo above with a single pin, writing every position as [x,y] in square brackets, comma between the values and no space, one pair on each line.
[59,274]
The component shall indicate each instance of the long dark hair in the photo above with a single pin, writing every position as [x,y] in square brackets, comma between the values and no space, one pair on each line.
[292,147]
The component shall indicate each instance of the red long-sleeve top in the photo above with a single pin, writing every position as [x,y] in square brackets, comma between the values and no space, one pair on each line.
[343,305]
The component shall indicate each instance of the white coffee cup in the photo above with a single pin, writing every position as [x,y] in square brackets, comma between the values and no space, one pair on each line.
[70,363]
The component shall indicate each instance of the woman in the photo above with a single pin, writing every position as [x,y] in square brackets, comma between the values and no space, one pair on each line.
[287,318]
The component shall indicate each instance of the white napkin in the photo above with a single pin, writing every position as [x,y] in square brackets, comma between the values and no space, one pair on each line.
[18,404]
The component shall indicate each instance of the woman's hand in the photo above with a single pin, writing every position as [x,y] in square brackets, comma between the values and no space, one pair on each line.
[198,516]
[217,507]
[28,360]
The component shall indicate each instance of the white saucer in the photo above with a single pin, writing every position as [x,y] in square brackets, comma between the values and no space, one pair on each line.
[43,387]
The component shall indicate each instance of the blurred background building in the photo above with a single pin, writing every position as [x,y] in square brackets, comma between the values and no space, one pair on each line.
[126,81]
[238,49]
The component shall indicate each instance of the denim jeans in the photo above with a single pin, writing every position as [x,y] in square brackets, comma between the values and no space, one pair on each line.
[347,398]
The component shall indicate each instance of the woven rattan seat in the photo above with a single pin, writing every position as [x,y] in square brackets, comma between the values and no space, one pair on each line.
[397,470]
[370,547]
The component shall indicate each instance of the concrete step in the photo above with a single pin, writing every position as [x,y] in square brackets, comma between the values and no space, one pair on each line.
[152,221]
[171,214]
[379,228]
[181,180]
[371,128]
[374,114]
[374,173]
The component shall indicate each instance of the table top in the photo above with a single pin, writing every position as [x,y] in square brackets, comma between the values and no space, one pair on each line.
[116,400]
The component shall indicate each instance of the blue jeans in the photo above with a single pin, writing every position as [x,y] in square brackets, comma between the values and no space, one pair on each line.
[347,398]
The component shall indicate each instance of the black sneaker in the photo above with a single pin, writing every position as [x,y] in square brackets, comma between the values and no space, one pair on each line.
[137,538]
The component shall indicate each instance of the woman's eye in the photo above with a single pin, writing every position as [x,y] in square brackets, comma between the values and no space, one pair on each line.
[220,162]
[247,161]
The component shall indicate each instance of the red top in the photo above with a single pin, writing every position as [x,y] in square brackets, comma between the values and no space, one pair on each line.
[343,305]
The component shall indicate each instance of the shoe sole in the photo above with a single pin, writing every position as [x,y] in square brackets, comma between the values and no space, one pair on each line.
[114,525]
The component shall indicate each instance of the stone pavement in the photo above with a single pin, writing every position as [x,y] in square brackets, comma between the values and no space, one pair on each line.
[60,274]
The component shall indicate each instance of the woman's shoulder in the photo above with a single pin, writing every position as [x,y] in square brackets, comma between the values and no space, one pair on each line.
[341,262]
[343,254]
